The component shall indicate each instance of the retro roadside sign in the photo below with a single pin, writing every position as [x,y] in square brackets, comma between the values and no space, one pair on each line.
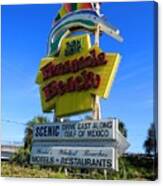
[72,78]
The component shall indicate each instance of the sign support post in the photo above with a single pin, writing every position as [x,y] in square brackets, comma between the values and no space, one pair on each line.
[66,171]
[97,106]
[105,174]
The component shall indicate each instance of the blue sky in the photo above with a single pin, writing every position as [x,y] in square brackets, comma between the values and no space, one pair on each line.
[25,30]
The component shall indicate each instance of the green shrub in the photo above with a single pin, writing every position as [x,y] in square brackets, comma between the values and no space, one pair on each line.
[21,157]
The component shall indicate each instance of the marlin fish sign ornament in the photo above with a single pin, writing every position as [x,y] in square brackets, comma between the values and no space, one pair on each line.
[74,17]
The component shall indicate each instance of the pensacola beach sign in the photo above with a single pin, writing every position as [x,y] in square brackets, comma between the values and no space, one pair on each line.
[74,70]
[72,78]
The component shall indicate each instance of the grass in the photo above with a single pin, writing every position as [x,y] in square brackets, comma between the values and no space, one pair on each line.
[14,170]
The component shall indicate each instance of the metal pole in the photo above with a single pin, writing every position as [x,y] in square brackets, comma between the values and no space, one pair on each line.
[105,174]
[97,107]
[54,117]
[66,171]
[96,99]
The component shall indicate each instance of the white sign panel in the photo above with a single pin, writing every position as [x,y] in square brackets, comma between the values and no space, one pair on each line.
[83,157]
[122,144]
[90,129]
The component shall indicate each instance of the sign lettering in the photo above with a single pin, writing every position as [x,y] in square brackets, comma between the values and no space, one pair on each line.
[87,157]
[75,130]
[84,71]
[72,47]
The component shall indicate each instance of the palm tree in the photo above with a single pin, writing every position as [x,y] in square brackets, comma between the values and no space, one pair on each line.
[150,146]
[150,143]
[29,130]
[22,156]
[123,129]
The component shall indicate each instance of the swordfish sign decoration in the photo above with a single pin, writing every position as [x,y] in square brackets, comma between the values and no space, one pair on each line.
[73,70]
[77,16]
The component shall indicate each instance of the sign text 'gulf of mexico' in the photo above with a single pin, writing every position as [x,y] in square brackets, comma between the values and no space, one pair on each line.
[87,157]
[103,129]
